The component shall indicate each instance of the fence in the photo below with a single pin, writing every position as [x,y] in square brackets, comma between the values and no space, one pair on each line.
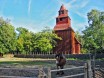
[87,72]
[40,73]
[68,69]
[75,56]
[98,72]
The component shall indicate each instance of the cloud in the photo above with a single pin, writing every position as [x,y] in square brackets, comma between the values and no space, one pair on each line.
[74,3]
[79,26]
[29,6]
[81,14]
[60,2]
[31,26]
[84,3]
[47,16]
[10,18]
[45,23]
[81,4]
[67,4]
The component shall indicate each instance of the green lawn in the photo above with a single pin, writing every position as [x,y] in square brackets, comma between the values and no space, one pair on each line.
[24,62]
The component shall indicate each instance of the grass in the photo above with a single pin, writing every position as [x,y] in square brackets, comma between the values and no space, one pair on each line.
[23,62]
[9,61]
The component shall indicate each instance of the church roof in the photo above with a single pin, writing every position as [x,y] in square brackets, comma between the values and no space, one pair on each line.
[61,27]
[63,15]
[62,7]
[76,41]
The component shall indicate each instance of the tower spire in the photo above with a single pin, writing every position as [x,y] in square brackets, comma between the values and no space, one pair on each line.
[63,11]
[62,7]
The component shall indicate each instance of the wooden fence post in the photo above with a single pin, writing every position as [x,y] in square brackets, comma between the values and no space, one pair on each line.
[89,69]
[49,73]
[86,72]
[41,72]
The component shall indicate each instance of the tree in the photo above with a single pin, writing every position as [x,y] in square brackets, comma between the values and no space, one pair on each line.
[7,37]
[24,40]
[44,41]
[94,33]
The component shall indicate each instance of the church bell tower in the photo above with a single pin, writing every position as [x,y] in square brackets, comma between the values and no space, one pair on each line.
[69,44]
[63,21]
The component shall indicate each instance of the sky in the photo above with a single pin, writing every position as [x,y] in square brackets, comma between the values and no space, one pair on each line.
[35,15]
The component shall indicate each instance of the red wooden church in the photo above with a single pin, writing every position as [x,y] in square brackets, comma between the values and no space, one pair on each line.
[69,44]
